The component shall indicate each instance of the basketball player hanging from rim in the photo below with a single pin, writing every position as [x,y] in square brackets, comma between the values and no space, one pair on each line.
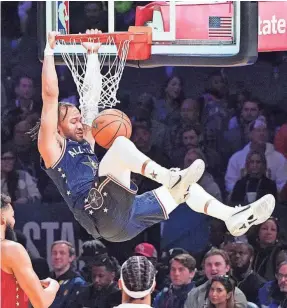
[100,194]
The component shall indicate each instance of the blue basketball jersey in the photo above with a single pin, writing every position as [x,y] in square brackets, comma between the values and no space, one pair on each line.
[74,172]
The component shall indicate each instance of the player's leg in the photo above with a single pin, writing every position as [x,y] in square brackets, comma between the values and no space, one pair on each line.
[239,219]
[123,157]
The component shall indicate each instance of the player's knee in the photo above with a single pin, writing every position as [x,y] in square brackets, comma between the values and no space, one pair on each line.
[122,141]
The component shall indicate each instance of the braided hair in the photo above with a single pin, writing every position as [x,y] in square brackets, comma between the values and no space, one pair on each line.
[138,277]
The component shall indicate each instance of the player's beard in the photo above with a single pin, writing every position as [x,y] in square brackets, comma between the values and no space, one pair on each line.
[10,233]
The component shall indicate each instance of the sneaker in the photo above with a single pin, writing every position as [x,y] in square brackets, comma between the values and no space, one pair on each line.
[253,214]
[180,180]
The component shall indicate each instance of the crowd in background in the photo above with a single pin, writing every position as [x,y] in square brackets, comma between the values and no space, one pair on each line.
[241,138]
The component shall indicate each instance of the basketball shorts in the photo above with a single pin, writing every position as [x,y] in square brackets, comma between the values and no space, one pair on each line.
[118,213]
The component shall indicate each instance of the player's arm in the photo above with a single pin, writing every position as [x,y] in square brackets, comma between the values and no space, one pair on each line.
[49,141]
[92,87]
[20,263]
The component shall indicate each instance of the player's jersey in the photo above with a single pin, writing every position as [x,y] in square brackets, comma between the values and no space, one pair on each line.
[12,296]
[75,172]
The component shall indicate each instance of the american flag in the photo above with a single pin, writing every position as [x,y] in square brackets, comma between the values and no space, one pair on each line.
[220,26]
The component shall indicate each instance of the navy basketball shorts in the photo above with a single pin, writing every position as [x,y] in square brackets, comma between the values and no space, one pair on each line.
[118,213]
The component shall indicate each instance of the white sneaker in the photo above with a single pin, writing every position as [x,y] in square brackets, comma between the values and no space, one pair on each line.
[180,180]
[253,214]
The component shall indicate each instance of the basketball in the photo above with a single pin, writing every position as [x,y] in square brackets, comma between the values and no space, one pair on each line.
[110,124]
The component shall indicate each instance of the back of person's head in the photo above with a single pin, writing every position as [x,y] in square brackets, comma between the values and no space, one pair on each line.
[137,280]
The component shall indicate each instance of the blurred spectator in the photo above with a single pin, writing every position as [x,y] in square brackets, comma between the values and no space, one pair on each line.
[182,271]
[40,265]
[104,291]
[276,162]
[93,15]
[160,136]
[235,101]
[62,258]
[147,250]
[207,180]
[255,183]
[237,137]
[190,138]
[167,108]
[91,252]
[125,15]
[220,292]
[28,156]
[280,141]
[241,258]
[16,183]
[267,249]
[214,110]
[274,293]
[189,116]
[216,262]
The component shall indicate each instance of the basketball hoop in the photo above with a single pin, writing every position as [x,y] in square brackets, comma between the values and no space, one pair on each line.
[135,44]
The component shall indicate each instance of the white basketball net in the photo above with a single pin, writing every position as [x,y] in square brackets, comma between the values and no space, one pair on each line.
[97,90]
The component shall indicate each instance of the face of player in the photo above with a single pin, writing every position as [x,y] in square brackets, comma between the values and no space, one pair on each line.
[282,278]
[215,266]
[268,232]
[70,124]
[218,294]
[8,220]
[101,277]
[60,257]
[179,274]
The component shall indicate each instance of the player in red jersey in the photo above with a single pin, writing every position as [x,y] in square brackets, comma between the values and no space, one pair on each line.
[19,282]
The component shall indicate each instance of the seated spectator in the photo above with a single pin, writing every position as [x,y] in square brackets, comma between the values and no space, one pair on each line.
[220,292]
[160,136]
[147,250]
[91,252]
[104,291]
[268,246]
[182,271]
[255,183]
[137,282]
[191,138]
[62,258]
[276,162]
[166,109]
[189,116]
[215,263]
[241,258]
[17,183]
[214,110]
[274,293]
[280,140]
[236,138]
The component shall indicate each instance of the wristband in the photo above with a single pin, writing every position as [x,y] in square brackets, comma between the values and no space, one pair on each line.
[48,50]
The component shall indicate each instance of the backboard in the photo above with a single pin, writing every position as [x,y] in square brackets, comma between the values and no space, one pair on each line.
[185,33]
